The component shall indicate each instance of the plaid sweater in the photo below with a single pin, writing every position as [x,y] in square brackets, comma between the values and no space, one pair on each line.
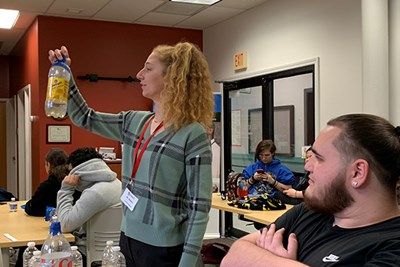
[173,182]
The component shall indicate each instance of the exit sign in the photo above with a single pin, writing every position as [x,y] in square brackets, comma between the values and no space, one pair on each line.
[240,61]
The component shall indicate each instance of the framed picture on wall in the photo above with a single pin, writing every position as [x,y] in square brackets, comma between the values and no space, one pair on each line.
[283,129]
[58,134]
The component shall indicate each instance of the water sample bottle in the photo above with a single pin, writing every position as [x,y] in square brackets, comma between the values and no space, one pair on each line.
[117,258]
[57,89]
[35,260]
[13,205]
[77,260]
[107,253]
[28,253]
[56,251]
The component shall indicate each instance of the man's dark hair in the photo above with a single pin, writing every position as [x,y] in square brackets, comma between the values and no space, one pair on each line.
[82,155]
[372,138]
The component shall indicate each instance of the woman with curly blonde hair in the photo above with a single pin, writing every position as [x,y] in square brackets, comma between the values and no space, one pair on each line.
[166,157]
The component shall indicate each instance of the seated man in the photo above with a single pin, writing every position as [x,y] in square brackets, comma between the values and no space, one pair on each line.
[99,186]
[350,215]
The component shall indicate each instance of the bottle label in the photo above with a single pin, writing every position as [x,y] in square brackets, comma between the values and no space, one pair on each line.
[57,89]
[56,259]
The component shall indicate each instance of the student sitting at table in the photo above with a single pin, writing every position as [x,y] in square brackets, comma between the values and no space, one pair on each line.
[46,194]
[99,186]
[267,174]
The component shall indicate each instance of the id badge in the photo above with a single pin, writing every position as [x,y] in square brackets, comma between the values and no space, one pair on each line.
[129,199]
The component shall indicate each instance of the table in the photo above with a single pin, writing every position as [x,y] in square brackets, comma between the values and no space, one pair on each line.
[23,228]
[264,217]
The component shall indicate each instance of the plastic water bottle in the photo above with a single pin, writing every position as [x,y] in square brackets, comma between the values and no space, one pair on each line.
[56,251]
[117,258]
[57,89]
[77,260]
[13,205]
[28,253]
[35,260]
[107,253]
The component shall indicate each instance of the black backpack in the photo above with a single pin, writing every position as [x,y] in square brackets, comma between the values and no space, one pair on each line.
[5,195]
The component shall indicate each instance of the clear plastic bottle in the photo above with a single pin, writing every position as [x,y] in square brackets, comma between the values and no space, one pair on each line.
[107,253]
[57,89]
[56,251]
[117,258]
[77,260]
[13,205]
[28,253]
[35,260]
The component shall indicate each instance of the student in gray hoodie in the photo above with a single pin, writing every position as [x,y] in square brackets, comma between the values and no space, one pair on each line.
[99,186]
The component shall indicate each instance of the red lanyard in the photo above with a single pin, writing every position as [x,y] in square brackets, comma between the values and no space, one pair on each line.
[135,154]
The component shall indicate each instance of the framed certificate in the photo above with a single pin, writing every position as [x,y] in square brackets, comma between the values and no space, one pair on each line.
[58,134]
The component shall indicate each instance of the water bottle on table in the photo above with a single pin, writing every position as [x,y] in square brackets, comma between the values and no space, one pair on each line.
[117,258]
[56,251]
[28,253]
[35,260]
[77,260]
[107,253]
[13,205]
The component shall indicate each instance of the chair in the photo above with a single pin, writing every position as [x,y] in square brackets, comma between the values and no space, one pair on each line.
[103,226]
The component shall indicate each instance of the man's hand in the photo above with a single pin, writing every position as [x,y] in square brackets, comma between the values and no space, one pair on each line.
[72,179]
[271,240]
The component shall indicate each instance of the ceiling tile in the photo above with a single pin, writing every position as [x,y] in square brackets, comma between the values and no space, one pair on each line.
[154,18]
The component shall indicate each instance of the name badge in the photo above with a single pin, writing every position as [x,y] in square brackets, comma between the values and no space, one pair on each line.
[129,199]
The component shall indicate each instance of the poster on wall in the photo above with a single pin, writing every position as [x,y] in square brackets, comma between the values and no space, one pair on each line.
[236,127]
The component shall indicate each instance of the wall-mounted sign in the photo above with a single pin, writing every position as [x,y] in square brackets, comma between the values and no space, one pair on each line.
[240,61]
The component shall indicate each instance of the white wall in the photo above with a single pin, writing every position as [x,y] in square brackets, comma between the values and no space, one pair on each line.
[283,32]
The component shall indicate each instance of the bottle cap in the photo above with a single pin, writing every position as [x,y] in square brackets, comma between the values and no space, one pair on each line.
[74,247]
[109,243]
[55,228]
[13,199]
[31,244]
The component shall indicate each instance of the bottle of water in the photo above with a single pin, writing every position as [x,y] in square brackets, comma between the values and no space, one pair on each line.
[57,89]
[56,250]
[77,260]
[117,258]
[35,260]
[107,253]
[28,253]
[13,205]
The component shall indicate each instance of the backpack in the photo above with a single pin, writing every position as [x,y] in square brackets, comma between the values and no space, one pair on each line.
[231,185]
[5,195]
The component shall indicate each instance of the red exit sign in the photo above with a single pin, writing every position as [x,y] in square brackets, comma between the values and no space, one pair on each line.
[240,61]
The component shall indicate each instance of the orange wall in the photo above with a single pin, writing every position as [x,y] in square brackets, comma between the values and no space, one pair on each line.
[96,47]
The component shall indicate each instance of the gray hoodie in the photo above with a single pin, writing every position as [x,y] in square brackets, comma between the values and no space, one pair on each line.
[100,189]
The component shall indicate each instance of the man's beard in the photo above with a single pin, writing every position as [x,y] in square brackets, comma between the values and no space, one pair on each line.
[334,198]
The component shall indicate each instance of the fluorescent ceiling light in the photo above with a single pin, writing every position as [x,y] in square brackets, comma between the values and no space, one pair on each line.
[201,2]
[8,18]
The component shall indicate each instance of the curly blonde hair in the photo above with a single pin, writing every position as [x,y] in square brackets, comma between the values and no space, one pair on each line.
[187,95]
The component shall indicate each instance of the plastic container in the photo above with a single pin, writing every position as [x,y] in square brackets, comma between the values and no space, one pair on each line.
[117,258]
[77,260]
[57,89]
[56,251]
[35,260]
[107,253]
[13,205]
[28,253]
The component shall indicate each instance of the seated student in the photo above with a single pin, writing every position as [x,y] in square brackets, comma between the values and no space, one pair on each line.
[46,194]
[297,190]
[267,174]
[99,186]
[350,215]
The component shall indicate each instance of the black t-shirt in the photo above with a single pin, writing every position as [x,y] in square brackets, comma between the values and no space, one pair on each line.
[322,244]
